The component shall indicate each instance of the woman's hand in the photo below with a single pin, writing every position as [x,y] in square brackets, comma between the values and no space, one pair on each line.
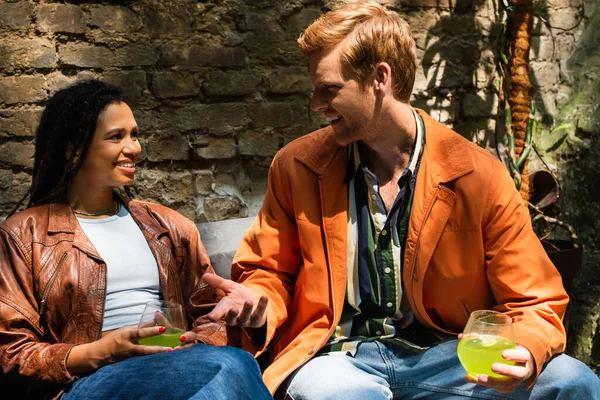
[188,339]
[115,346]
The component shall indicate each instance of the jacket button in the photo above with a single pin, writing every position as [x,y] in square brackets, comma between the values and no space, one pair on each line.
[311,351]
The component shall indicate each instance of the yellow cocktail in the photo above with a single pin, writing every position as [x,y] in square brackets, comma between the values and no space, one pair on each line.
[486,335]
[478,353]
[171,338]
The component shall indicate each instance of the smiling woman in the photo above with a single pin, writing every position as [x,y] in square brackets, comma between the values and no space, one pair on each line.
[79,264]
[110,161]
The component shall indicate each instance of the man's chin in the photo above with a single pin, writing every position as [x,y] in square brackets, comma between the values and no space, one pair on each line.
[342,138]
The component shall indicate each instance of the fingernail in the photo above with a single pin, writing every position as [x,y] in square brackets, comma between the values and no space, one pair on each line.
[169,350]
[162,329]
[183,338]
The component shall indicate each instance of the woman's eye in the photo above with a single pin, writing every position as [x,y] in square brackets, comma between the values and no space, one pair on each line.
[115,137]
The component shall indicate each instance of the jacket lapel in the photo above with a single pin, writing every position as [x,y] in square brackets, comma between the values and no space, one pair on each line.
[334,206]
[156,236]
[445,158]
[329,161]
[62,220]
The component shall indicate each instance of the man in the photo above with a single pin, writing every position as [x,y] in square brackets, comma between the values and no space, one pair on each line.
[381,233]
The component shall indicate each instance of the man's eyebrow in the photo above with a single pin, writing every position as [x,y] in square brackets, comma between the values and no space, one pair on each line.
[324,82]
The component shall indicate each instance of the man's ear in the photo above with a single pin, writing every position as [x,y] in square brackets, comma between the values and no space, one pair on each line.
[382,79]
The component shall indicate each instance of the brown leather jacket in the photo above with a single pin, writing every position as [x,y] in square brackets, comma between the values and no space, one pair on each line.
[53,287]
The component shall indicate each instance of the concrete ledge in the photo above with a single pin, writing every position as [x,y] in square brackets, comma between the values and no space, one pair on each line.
[221,239]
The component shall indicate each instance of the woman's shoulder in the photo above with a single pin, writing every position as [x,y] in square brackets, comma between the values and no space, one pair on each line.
[167,217]
[26,218]
[26,226]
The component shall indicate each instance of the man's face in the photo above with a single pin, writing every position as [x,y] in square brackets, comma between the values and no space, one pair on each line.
[340,97]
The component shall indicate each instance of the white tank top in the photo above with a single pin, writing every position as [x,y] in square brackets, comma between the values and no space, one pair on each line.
[131,269]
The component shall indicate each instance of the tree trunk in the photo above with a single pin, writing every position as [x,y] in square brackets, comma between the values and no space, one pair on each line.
[520,85]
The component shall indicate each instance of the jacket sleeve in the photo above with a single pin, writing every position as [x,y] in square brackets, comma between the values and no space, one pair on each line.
[524,281]
[269,258]
[24,355]
[203,298]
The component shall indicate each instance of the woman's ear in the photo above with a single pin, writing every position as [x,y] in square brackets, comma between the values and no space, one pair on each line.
[72,155]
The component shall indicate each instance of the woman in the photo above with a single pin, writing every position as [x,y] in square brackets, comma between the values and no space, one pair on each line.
[78,265]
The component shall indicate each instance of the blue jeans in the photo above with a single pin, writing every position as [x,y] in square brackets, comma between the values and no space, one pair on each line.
[381,371]
[197,372]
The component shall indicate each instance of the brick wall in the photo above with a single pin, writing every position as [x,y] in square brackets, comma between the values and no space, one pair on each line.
[218,87]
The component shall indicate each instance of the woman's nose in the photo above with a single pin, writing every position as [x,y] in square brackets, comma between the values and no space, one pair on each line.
[132,146]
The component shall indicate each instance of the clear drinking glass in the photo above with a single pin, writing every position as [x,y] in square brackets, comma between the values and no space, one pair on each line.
[486,336]
[167,314]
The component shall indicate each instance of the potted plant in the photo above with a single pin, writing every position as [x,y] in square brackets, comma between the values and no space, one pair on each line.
[540,188]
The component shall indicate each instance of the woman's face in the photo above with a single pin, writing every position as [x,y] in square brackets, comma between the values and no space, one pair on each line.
[110,161]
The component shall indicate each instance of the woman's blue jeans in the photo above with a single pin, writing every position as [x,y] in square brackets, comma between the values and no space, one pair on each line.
[380,371]
[197,372]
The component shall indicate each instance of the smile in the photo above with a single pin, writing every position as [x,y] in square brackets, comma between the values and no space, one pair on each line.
[126,164]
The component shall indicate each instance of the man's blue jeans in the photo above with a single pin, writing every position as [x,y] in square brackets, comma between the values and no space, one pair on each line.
[197,372]
[380,371]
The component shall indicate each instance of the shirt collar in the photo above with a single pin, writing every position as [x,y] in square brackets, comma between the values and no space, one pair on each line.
[354,155]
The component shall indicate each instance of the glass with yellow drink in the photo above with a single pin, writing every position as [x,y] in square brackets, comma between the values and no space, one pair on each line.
[486,336]
[167,314]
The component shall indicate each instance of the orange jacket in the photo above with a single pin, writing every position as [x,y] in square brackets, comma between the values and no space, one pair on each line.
[469,246]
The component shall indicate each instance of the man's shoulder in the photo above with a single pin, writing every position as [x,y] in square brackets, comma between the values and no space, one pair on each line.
[315,150]
[310,142]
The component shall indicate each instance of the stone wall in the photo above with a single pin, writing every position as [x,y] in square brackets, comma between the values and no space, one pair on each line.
[218,86]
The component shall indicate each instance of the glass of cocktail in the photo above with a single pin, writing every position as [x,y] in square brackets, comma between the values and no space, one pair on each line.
[486,336]
[167,314]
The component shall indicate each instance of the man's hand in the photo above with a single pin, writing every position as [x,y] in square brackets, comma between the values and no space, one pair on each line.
[239,306]
[514,375]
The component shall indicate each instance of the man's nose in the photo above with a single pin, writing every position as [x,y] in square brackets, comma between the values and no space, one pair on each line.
[317,102]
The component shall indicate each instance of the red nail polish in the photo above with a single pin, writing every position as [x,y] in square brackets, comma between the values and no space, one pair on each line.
[169,350]
[162,329]
[183,338]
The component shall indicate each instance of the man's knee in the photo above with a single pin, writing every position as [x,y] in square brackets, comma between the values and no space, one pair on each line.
[238,361]
[569,376]
[329,377]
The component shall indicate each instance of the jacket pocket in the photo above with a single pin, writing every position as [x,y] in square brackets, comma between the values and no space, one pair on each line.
[51,283]
[467,310]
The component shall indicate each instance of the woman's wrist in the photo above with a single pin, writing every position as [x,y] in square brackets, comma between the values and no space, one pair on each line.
[85,358]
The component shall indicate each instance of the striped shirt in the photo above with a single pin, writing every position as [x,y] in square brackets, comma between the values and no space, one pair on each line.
[376,307]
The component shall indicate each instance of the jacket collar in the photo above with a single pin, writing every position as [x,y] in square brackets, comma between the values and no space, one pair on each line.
[321,150]
[448,150]
[61,218]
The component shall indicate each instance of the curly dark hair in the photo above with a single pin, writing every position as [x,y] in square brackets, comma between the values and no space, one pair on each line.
[64,136]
